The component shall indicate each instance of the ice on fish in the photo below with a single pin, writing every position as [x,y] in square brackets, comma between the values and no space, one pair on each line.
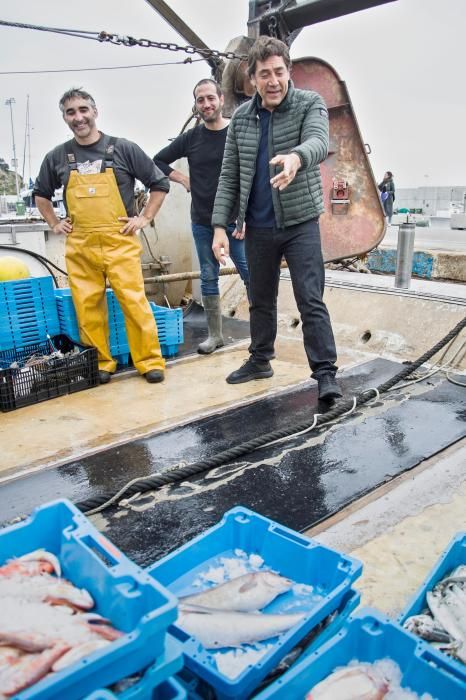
[233,662]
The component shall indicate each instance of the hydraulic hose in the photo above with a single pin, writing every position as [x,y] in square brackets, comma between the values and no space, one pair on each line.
[182,472]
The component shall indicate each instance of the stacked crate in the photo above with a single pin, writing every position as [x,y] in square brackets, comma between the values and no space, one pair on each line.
[123,593]
[28,312]
[30,369]
[169,325]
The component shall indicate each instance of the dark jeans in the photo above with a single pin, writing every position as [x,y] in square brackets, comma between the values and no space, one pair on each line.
[300,246]
[203,238]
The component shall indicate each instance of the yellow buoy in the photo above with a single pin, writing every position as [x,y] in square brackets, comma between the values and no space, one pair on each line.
[13,269]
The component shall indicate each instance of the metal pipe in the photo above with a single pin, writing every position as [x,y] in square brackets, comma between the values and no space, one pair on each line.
[404,255]
[194,275]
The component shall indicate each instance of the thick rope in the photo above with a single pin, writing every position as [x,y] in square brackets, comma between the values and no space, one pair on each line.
[182,472]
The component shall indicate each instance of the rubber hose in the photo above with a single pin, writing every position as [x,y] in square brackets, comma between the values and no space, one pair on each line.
[183,472]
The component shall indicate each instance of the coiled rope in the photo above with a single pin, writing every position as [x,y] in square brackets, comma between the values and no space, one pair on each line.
[184,471]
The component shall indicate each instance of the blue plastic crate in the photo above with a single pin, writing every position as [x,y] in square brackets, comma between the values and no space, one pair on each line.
[134,602]
[27,312]
[169,324]
[453,556]
[168,690]
[368,637]
[348,605]
[150,687]
[283,550]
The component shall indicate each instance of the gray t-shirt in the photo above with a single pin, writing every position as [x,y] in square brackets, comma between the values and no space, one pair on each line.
[130,163]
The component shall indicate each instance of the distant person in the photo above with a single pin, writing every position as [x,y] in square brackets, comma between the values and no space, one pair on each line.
[387,194]
[203,146]
[275,144]
[98,173]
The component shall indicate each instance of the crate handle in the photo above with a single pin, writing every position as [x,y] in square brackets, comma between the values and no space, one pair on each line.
[436,660]
[291,536]
[101,548]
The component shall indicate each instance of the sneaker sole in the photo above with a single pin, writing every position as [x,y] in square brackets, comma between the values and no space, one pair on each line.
[258,375]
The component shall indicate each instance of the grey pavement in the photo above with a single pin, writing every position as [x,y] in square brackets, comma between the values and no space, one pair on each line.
[436,237]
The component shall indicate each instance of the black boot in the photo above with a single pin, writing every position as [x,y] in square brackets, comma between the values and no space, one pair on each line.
[328,388]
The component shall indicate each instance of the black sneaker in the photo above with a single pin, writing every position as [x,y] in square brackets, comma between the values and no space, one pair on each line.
[104,376]
[328,388]
[250,370]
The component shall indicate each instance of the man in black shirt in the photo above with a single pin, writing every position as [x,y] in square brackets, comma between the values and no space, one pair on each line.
[203,146]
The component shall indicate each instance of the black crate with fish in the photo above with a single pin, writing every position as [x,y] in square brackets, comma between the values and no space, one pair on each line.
[45,370]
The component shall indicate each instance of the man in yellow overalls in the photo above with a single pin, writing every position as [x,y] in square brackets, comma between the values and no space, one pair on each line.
[98,173]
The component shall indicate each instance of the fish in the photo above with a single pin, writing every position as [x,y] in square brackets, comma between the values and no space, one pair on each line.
[448,610]
[32,564]
[216,629]
[78,652]
[44,587]
[35,626]
[426,627]
[350,683]
[29,669]
[249,592]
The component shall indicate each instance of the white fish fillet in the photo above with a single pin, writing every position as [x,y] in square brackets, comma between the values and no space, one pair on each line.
[222,628]
[246,593]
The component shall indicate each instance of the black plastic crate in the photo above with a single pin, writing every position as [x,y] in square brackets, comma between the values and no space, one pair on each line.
[25,385]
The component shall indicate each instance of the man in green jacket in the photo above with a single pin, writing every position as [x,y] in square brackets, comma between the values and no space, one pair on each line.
[271,164]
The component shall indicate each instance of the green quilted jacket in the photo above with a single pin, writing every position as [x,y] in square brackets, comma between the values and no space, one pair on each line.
[298,125]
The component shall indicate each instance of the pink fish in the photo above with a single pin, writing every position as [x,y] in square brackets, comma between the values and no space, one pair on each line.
[29,669]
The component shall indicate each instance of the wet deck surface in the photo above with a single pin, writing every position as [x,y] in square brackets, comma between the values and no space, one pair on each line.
[297,483]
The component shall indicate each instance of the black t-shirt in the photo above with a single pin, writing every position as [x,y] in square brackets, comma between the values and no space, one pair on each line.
[204,150]
[130,163]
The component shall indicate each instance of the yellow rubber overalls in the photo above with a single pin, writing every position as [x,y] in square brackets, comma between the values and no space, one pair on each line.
[96,251]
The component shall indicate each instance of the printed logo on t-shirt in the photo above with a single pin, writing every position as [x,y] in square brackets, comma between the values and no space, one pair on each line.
[90,167]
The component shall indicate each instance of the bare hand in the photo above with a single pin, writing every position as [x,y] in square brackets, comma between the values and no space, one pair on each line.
[221,245]
[63,227]
[133,225]
[239,234]
[290,163]
[186,183]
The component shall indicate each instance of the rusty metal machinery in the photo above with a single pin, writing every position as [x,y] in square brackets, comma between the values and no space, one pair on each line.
[353,222]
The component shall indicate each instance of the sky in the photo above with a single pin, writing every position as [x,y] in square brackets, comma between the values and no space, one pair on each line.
[403,64]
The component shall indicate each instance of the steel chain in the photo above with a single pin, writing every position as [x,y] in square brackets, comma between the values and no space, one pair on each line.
[148,43]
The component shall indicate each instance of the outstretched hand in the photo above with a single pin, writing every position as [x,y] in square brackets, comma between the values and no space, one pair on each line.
[290,163]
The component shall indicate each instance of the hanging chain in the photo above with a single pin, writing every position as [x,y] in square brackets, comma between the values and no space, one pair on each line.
[129,41]
[148,43]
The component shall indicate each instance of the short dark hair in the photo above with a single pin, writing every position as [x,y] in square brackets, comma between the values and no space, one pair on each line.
[71,94]
[389,173]
[263,48]
[204,81]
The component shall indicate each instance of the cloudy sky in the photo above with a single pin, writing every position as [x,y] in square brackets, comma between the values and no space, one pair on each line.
[403,63]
